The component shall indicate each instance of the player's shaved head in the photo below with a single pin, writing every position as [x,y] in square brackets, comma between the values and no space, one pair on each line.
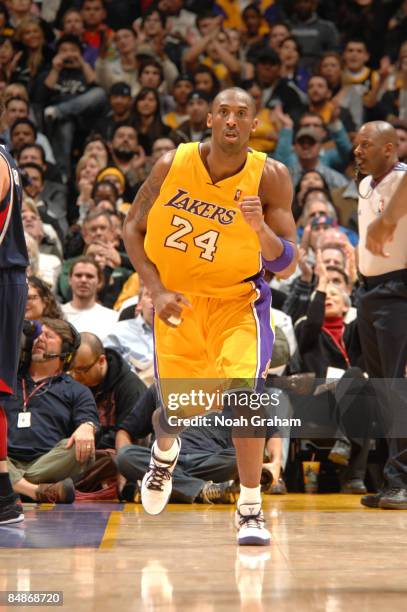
[235,95]
[381,131]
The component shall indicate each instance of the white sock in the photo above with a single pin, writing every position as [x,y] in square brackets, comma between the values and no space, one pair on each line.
[168,455]
[249,495]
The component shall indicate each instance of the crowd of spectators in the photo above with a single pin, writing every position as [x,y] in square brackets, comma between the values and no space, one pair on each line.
[94,92]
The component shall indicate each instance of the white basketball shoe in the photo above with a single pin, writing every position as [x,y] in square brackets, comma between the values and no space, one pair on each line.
[156,485]
[249,521]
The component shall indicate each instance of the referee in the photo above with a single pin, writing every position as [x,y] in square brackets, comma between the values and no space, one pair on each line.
[382,309]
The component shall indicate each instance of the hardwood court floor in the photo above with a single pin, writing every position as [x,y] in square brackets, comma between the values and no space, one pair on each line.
[328,554]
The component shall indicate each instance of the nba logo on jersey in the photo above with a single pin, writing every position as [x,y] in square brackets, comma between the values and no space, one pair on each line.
[16,176]
[380,208]
[237,195]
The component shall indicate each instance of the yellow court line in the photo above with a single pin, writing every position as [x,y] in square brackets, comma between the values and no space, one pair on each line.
[292,502]
[132,508]
[110,535]
[319,502]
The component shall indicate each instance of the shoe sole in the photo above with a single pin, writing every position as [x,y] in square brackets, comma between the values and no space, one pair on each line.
[390,506]
[69,496]
[277,491]
[376,505]
[155,513]
[253,541]
[18,519]
[339,459]
[69,500]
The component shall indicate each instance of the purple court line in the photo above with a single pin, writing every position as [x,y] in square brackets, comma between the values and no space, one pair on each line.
[64,526]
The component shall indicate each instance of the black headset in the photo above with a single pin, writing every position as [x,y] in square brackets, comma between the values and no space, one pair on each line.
[69,348]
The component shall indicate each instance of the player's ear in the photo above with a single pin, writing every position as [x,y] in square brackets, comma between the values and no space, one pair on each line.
[209,120]
[255,124]
[390,149]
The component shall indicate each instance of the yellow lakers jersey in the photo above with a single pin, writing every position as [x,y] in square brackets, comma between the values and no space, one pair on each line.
[196,234]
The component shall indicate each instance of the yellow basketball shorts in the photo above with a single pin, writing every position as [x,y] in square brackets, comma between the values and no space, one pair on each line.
[220,343]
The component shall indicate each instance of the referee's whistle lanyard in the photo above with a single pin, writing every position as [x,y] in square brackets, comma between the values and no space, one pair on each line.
[26,398]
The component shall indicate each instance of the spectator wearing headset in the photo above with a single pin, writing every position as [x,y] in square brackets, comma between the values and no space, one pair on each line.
[47,452]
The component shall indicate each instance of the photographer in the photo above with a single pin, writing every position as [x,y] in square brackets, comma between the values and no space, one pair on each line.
[52,419]
[70,89]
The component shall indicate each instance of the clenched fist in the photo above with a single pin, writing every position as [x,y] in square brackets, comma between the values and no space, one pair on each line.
[252,211]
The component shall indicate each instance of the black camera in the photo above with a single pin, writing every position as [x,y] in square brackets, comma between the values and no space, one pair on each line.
[25,178]
[31,331]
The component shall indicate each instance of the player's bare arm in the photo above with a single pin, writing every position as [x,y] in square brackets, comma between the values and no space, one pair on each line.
[167,303]
[270,215]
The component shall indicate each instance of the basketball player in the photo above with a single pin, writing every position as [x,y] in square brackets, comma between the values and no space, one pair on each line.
[13,294]
[382,311]
[382,229]
[205,223]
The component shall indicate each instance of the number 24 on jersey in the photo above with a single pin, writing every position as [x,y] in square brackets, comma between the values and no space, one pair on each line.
[206,242]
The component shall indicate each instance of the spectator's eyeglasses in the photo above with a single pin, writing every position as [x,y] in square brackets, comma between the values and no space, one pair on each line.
[317,213]
[84,369]
[33,298]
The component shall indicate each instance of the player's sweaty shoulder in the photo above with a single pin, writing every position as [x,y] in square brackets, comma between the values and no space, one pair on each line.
[159,171]
[149,191]
[274,169]
[275,178]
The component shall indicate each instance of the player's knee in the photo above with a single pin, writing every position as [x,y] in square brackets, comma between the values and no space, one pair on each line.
[248,414]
